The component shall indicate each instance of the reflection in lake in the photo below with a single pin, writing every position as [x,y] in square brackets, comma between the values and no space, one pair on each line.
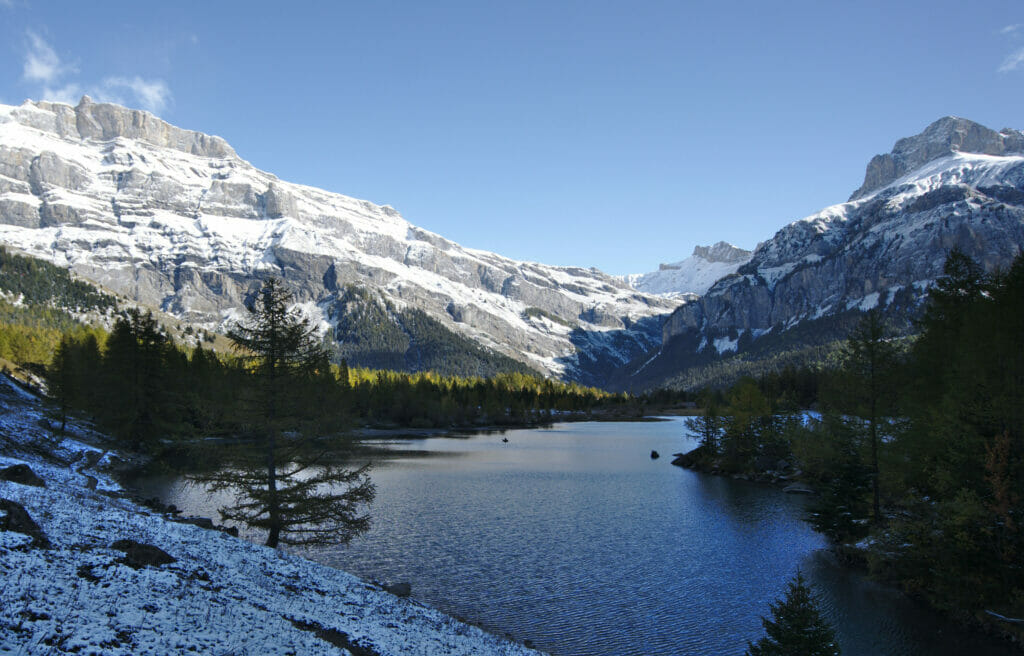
[573,537]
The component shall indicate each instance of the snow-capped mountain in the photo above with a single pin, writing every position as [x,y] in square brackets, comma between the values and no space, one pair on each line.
[177,220]
[695,274]
[956,185]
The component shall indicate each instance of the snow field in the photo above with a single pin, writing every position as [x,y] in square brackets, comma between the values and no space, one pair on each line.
[222,595]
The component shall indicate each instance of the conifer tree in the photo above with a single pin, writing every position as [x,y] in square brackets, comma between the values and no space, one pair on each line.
[284,487]
[870,363]
[135,407]
[60,379]
[796,627]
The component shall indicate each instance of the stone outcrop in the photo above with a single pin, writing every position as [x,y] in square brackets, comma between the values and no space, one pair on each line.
[944,137]
[14,517]
[694,275]
[957,185]
[138,554]
[175,219]
[21,474]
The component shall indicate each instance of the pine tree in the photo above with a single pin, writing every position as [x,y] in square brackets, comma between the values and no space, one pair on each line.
[796,627]
[61,378]
[841,512]
[284,487]
[869,366]
[138,404]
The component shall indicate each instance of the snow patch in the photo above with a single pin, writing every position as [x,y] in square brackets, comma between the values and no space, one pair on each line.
[221,595]
[724,345]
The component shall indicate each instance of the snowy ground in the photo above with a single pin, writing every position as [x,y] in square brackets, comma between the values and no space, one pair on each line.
[222,595]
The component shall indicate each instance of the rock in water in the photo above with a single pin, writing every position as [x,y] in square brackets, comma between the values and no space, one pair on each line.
[798,488]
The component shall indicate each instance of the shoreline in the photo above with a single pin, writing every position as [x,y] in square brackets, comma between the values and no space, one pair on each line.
[854,557]
[83,588]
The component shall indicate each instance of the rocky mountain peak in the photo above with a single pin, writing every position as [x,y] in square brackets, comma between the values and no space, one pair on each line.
[95,121]
[174,219]
[695,274]
[944,137]
[722,252]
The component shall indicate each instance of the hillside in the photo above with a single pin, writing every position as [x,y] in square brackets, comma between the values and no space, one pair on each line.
[177,220]
[957,185]
[73,587]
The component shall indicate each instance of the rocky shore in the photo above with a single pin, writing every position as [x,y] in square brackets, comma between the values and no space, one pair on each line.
[84,569]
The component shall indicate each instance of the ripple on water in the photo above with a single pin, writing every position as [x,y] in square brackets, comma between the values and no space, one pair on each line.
[576,539]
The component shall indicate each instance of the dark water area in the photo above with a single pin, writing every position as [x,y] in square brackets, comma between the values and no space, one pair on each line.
[574,538]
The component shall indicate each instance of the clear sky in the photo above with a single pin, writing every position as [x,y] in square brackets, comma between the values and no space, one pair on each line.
[609,134]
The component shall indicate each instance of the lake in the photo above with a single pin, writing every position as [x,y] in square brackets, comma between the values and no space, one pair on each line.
[574,538]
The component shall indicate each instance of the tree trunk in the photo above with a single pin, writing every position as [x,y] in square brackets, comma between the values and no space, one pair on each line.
[273,503]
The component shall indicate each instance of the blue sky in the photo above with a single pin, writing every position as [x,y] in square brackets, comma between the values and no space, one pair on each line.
[609,134]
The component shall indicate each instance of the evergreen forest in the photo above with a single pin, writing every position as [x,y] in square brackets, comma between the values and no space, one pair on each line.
[916,446]
[146,390]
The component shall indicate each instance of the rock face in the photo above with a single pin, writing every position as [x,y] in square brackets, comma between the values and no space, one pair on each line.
[695,274]
[942,138]
[175,219]
[956,185]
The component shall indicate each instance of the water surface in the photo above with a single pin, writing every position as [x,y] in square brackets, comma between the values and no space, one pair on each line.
[574,538]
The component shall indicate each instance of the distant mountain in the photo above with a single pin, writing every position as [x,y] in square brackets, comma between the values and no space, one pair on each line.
[695,274]
[958,184]
[175,219]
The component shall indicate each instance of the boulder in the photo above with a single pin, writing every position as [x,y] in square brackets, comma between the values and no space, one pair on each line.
[14,517]
[21,474]
[399,589]
[138,555]
[655,455]
[201,522]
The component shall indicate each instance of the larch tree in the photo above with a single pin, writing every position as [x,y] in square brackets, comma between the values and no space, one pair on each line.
[284,486]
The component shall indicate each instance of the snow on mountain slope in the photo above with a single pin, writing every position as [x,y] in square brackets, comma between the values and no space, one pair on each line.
[695,274]
[882,248]
[176,219]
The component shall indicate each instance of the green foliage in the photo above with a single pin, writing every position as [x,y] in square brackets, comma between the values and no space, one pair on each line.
[41,283]
[932,447]
[709,428]
[796,627]
[919,447]
[140,403]
[280,486]
[29,334]
[372,333]
[36,302]
[958,537]
[844,478]
[869,373]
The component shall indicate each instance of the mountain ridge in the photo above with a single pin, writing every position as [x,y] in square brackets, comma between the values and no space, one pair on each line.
[694,275]
[881,249]
[176,219]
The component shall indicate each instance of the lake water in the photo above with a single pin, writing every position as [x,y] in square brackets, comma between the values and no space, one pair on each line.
[574,538]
